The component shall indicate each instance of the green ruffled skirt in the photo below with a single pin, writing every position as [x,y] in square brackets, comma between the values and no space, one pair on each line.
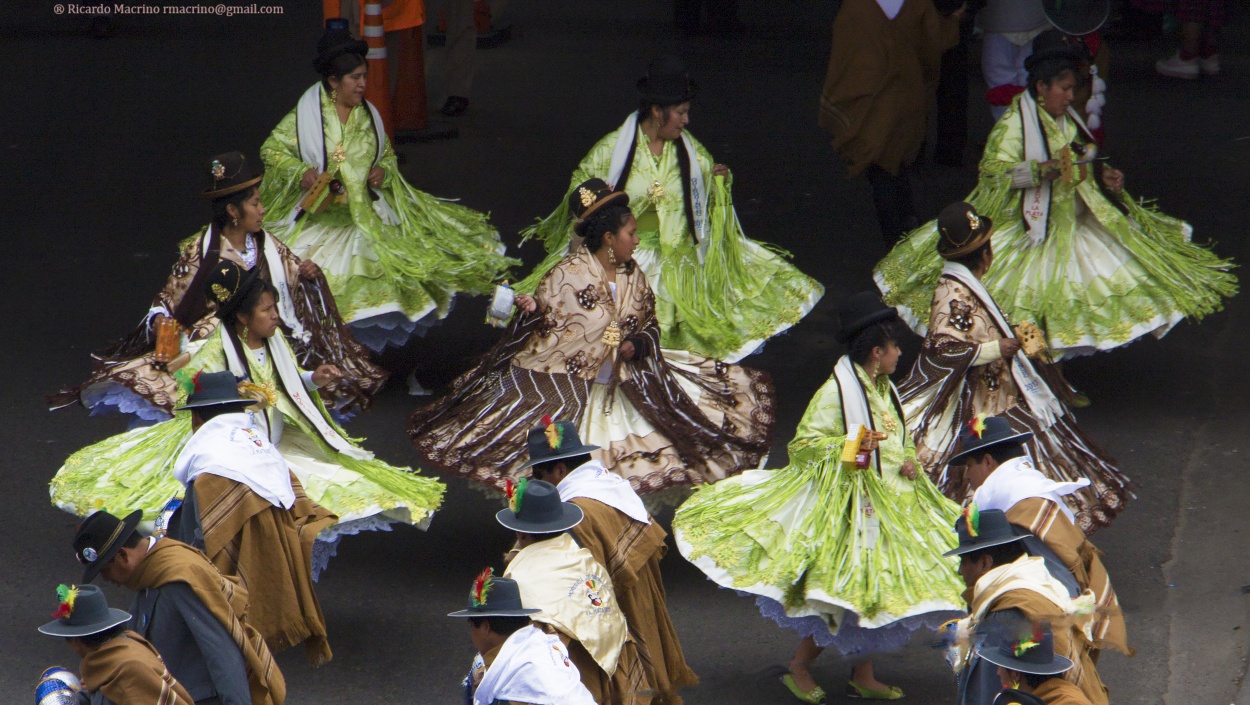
[134,470]
[1089,286]
[803,536]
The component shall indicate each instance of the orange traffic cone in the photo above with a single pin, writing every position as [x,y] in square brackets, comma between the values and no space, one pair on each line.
[378,89]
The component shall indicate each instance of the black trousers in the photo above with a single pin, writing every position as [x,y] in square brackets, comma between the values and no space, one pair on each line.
[952,99]
[892,197]
[721,14]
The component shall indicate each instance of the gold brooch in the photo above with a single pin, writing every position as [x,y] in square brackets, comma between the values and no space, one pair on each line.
[588,198]
[974,221]
[219,171]
[220,292]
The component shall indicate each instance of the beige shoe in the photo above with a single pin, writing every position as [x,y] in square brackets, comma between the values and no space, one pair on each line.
[1176,67]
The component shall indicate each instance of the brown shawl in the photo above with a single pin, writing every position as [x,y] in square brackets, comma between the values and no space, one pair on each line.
[172,561]
[245,536]
[946,388]
[546,363]
[1044,520]
[130,672]
[631,551]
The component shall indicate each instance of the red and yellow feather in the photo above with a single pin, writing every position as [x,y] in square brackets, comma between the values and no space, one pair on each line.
[481,587]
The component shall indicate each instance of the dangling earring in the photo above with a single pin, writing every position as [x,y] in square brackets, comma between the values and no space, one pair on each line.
[1041,101]
[245,332]
[334,96]
[611,256]
[234,221]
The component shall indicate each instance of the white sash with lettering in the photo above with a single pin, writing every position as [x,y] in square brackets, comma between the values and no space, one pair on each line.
[311,135]
[1036,205]
[1042,402]
[288,376]
[698,189]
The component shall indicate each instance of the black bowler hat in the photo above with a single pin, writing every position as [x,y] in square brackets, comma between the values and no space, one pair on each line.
[859,311]
[667,82]
[335,42]
[962,230]
[216,389]
[1077,17]
[1054,44]
[229,284]
[981,529]
[1023,646]
[554,441]
[982,433]
[82,611]
[99,538]
[230,174]
[593,194]
[492,596]
[534,507]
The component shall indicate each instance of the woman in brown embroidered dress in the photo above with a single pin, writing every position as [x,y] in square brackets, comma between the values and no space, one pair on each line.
[127,376]
[586,347]
[972,362]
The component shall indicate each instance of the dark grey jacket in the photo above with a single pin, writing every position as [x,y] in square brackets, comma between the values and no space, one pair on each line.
[196,648]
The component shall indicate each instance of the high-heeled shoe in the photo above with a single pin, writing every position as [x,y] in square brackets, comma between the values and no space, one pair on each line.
[816,696]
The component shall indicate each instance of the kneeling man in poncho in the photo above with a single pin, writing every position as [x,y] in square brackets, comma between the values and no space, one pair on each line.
[250,515]
[516,662]
[574,592]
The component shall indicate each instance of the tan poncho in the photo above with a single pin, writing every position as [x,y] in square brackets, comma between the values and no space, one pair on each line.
[172,561]
[1026,586]
[270,550]
[882,79]
[130,672]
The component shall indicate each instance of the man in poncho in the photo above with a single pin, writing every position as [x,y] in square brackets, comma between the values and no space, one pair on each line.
[249,514]
[623,537]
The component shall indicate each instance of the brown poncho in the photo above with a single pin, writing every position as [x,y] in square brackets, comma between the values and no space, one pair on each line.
[172,561]
[631,551]
[130,672]
[270,550]
[882,79]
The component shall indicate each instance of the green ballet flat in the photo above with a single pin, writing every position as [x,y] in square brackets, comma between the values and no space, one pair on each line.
[815,696]
[855,691]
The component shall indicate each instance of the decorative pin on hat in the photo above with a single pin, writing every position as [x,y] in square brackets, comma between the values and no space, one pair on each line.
[231,173]
[961,230]
[99,538]
[593,194]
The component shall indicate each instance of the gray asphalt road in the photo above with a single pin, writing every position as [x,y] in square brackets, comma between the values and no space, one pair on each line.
[102,145]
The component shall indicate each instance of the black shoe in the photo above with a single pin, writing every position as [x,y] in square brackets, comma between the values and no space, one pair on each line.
[455,106]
